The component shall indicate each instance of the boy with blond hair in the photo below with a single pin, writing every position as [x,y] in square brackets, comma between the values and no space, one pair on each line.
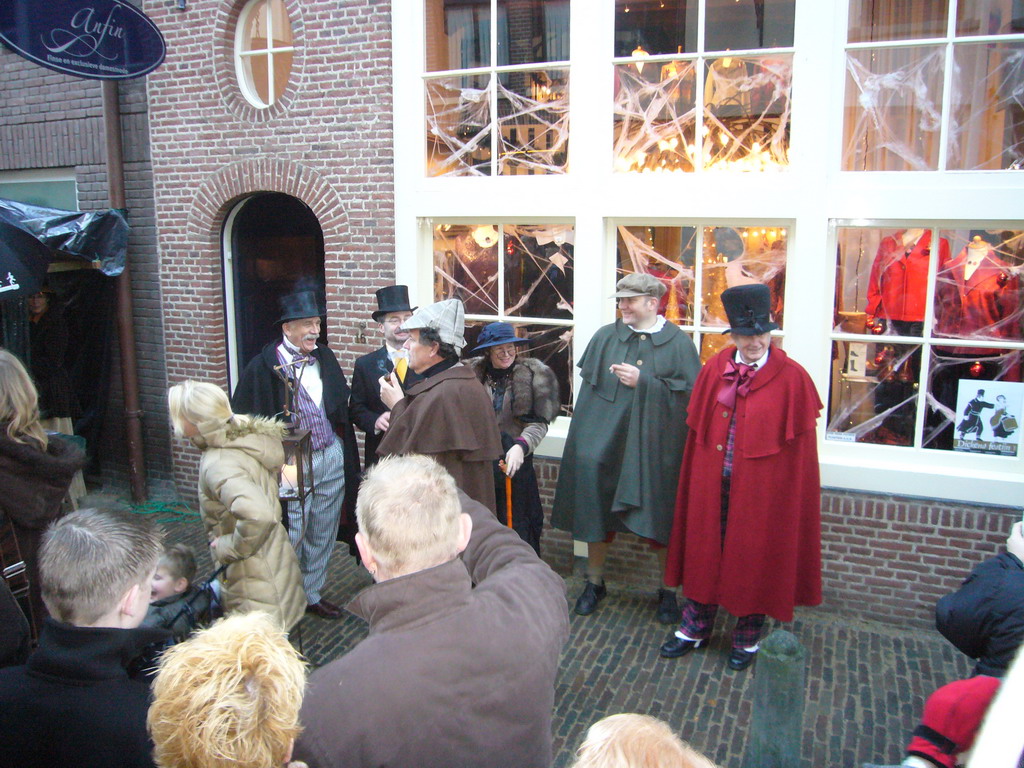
[75,702]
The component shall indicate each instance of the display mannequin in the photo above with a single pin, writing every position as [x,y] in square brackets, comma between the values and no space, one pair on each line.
[977,295]
[897,296]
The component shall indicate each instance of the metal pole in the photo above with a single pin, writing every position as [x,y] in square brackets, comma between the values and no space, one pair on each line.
[125,320]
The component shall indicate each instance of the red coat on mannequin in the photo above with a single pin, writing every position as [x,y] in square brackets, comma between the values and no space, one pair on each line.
[898,284]
[985,305]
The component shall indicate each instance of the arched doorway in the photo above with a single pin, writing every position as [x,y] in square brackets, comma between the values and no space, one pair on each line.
[272,245]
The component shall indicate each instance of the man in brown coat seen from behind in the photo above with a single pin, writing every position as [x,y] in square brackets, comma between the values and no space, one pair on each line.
[460,663]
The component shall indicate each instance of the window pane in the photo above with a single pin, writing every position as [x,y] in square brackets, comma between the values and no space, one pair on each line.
[534,122]
[989,17]
[655,116]
[873,396]
[963,405]
[741,256]
[282,26]
[657,26]
[987,127]
[668,254]
[458,35]
[256,37]
[977,293]
[458,126]
[282,69]
[466,266]
[893,109]
[882,279]
[737,26]
[551,344]
[872,21]
[747,108]
[254,69]
[538,270]
[532,31]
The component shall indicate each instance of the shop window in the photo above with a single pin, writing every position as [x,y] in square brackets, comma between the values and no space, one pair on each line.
[922,331]
[898,116]
[516,273]
[697,263]
[263,51]
[683,106]
[507,111]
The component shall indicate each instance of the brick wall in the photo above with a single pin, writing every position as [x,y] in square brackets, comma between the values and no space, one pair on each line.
[884,558]
[50,120]
[327,142]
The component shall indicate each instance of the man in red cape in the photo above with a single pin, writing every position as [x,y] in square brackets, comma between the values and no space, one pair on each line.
[747,528]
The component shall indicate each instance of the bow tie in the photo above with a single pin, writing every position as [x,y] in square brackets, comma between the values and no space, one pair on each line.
[738,377]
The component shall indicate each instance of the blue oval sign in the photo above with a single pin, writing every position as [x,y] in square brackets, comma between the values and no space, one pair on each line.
[97,39]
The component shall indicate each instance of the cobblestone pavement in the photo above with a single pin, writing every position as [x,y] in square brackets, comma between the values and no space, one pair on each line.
[866,683]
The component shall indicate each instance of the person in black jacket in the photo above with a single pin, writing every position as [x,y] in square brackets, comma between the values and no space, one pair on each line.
[368,411]
[985,617]
[76,702]
[321,406]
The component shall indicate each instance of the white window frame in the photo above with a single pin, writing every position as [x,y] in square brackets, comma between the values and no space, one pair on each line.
[811,196]
[242,29]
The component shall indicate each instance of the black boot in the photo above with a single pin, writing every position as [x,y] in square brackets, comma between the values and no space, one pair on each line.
[591,595]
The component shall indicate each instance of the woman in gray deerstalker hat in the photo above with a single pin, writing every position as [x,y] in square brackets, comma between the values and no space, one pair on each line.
[524,392]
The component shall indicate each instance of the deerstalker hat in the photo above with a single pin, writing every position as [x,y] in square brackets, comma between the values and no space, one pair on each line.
[447,317]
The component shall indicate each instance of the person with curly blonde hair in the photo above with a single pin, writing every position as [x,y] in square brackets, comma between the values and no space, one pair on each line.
[228,696]
[636,741]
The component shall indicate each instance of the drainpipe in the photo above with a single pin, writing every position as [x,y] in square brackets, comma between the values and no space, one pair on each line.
[125,320]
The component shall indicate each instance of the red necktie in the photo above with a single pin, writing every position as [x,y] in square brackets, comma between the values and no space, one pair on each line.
[738,378]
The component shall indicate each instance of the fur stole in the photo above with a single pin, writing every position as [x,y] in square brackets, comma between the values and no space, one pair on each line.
[534,388]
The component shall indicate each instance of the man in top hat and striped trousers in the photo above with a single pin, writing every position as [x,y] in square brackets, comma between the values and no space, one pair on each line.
[747,528]
[368,411]
[321,406]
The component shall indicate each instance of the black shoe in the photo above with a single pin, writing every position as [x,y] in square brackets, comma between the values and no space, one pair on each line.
[740,659]
[591,595]
[676,646]
[324,610]
[668,608]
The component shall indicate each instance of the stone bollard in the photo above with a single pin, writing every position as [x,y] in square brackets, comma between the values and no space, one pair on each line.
[776,727]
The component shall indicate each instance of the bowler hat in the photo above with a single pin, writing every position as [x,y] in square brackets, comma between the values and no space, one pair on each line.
[393,298]
[639,284]
[749,309]
[295,306]
[494,334]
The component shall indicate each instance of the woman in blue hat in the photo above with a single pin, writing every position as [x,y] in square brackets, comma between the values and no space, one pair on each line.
[525,396]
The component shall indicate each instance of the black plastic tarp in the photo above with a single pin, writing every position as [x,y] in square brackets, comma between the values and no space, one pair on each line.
[32,236]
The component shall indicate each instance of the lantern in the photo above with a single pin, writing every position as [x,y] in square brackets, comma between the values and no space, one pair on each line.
[296,479]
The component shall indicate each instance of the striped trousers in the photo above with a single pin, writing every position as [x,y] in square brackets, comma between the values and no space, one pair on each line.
[313,530]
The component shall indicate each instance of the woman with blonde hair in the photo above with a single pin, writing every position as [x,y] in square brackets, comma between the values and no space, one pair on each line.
[36,470]
[228,696]
[238,496]
[636,741]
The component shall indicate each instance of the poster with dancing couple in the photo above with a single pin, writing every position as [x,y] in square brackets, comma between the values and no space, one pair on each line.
[988,417]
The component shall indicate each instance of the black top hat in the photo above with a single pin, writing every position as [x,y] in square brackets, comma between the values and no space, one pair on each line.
[748,308]
[300,304]
[393,298]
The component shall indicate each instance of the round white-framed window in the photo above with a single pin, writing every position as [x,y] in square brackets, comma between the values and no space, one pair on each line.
[263,51]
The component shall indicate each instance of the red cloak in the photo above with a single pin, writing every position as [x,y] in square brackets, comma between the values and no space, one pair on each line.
[771,560]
